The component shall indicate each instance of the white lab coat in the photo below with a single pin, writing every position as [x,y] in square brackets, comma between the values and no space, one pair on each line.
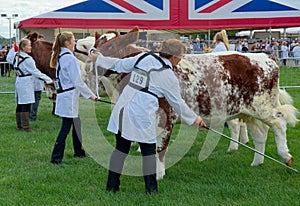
[139,115]
[220,47]
[67,103]
[25,85]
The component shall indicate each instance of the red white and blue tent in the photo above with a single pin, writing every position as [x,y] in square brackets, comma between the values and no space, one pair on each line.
[171,14]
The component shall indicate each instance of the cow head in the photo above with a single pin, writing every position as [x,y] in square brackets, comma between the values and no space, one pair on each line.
[115,45]
[41,53]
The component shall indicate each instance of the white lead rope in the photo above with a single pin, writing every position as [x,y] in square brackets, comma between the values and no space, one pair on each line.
[258,152]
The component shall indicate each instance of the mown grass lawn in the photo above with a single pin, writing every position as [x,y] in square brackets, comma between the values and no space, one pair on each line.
[27,177]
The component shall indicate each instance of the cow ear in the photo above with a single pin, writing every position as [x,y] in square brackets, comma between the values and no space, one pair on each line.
[34,36]
[97,35]
[135,29]
[113,32]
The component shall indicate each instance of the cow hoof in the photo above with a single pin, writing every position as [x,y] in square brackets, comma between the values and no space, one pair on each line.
[290,162]
[232,149]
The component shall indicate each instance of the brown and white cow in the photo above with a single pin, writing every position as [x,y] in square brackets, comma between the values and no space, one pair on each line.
[225,86]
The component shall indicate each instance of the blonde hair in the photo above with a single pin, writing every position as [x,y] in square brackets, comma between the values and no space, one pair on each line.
[222,36]
[59,42]
[172,47]
[22,45]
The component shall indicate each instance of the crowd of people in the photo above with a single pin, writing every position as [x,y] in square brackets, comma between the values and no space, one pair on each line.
[281,50]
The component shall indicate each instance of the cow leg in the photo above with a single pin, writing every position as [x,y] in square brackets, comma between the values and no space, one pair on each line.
[279,128]
[160,165]
[259,132]
[243,132]
[234,128]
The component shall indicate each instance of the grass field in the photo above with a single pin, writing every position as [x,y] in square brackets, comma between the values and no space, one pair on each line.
[27,177]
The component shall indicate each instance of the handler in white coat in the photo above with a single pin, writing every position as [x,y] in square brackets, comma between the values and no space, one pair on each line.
[134,115]
[26,72]
[67,100]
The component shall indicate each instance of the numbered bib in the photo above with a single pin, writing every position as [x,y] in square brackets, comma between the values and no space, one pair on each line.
[139,79]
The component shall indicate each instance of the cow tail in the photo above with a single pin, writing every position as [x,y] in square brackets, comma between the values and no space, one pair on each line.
[284,97]
[289,113]
[287,109]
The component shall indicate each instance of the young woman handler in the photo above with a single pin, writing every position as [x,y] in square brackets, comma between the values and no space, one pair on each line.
[26,71]
[67,101]
[134,115]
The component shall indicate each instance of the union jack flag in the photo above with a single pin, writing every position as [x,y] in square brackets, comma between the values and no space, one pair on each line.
[172,14]
[228,9]
[121,9]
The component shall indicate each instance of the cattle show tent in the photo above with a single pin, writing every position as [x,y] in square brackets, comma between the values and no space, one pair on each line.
[180,16]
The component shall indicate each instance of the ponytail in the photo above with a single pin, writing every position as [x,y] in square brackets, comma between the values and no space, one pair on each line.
[59,42]
[222,36]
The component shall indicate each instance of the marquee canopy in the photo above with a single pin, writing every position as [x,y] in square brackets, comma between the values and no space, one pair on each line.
[176,15]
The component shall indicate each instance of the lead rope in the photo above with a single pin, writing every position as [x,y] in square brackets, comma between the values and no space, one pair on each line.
[97,86]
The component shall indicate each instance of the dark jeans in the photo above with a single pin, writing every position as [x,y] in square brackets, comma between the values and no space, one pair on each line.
[35,105]
[59,147]
[117,162]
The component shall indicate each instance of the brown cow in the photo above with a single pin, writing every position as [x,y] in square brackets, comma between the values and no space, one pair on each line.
[226,86]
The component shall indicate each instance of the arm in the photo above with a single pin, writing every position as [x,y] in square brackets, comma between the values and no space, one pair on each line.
[31,68]
[115,64]
[74,73]
[169,86]
[10,56]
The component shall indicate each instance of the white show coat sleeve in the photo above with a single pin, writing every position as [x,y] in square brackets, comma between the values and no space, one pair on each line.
[169,87]
[75,77]
[118,65]
[31,68]
[10,55]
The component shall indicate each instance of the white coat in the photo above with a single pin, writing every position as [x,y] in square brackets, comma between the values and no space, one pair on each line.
[220,47]
[139,113]
[67,103]
[296,51]
[25,85]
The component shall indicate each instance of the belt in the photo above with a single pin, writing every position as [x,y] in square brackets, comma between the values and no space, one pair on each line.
[65,90]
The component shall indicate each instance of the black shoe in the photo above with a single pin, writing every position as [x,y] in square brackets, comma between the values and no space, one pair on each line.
[55,162]
[80,155]
[150,192]
[113,189]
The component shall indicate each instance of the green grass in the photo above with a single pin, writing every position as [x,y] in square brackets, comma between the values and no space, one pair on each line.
[27,177]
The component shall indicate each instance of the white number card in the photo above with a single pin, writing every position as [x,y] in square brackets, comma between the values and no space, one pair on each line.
[139,78]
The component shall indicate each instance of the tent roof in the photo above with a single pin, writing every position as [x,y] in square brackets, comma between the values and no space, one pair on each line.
[180,16]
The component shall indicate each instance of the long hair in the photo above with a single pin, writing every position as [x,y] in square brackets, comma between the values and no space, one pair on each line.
[172,47]
[222,36]
[59,42]
[22,45]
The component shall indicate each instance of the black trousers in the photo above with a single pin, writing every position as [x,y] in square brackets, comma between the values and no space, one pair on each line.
[23,108]
[117,162]
[60,143]
[34,106]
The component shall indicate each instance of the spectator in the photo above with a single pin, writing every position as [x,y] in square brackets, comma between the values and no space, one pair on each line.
[245,46]
[189,47]
[221,42]
[198,47]
[284,52]
[239,46]
[296,53]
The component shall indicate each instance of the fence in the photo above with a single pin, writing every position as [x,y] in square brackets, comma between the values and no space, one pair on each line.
[7,78]
[289,72]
